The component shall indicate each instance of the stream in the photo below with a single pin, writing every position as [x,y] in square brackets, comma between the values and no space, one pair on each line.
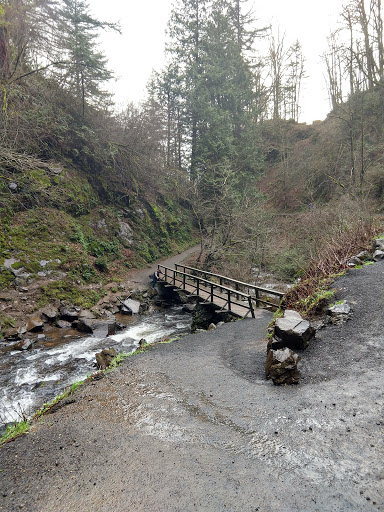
[28,379]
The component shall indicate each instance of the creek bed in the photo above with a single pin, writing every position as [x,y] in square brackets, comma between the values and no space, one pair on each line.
[28,379]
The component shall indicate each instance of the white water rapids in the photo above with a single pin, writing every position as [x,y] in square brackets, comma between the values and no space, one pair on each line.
[31,378]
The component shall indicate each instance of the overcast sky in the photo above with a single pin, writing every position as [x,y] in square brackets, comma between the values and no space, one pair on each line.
[140,48]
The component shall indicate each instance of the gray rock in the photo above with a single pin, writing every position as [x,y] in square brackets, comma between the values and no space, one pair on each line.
[12,186]
[354,261]
[281,366]
[83,325]
[85,313]
[379,244]
[378,255]
[340,309]
[293,330]
[68,313]
[130,307]
[63,324]
[364,256]
[339,312]
[211,327]
[49,314]
[126,233]
[188,308]
[9,262]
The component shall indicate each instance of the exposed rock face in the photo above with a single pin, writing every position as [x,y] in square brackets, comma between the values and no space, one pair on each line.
[281,366]
[126,233]
[293,330]
[105,357]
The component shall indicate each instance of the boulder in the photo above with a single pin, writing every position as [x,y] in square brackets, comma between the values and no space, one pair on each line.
[23,345]
[112,329]
[281,367]
[68,313]
[339,312]
[188,308]
[12,334]
[85,313]
[352,262]
[293,330]
[84,325]
[378,255]
[364,256]
[49,314]
[35,324]
[130,307]
[105,357]
[211,327]
[378,244]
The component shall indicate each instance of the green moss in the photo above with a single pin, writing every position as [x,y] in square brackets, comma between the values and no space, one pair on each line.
[67,291]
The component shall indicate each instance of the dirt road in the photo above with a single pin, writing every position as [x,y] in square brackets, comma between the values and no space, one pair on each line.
[194,426]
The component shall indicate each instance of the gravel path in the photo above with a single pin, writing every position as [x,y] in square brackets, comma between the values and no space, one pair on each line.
[194,426]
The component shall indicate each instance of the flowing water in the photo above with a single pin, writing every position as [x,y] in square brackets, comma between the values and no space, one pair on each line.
[30,378]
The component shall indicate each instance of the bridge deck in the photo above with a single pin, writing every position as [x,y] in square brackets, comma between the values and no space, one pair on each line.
[225,298]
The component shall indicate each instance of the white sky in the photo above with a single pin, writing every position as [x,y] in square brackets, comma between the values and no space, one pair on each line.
[140,49]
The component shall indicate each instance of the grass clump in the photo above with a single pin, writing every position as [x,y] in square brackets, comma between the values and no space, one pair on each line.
[15,430]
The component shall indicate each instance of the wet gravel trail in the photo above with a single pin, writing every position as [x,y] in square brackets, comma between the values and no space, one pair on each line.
[194,426]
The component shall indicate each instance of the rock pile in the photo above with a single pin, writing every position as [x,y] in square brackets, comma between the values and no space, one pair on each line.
[290,332]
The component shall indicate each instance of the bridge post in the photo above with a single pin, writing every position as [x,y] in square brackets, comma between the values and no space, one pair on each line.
[257,298]
[174,277]
[229,300]
[184,281]
[197,286]
[251,306]
[211,292]
[237,288]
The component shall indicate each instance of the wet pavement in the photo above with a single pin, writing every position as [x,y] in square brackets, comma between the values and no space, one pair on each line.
[194,426]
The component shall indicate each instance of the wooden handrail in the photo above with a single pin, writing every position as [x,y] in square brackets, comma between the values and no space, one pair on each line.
[216,285]
[221,277]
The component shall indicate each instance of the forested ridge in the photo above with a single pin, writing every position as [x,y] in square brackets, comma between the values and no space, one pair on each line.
[215,153]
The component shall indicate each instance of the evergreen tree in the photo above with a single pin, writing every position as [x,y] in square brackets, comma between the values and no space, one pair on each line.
[85,67]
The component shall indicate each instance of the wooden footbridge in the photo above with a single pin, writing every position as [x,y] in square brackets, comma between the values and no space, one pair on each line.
[228,294]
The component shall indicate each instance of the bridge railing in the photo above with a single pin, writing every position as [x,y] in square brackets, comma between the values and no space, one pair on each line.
[211,290]
[202,286]
[260,294]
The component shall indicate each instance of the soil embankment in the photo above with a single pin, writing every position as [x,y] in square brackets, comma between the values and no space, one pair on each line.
[194,426]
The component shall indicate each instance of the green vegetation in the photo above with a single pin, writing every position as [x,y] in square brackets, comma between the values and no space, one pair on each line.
[66,291]
[13,431]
